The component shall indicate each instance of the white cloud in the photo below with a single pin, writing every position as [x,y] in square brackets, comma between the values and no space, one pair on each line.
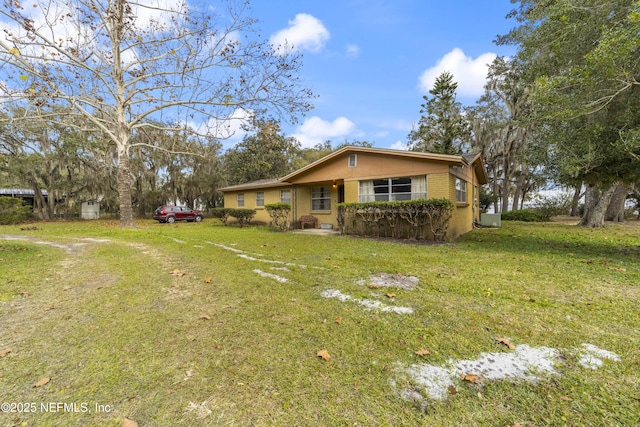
[399,145]
[353,50]
[469,73]
[315,130]
[305,32]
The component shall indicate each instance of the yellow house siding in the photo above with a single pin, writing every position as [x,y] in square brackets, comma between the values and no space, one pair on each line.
[262,216]
[303,195]
[351,191]
[303,207]
[438,186]
[461,220]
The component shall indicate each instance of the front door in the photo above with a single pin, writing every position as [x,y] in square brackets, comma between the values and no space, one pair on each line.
[341,193]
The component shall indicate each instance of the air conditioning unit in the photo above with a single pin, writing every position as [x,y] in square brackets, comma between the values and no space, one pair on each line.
[490,220]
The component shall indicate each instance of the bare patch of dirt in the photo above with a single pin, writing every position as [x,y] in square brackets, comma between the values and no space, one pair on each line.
[21,315]
[391,281]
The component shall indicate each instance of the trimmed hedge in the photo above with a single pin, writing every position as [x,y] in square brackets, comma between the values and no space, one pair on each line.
[221,213]
[410,219]
[12,211]
[527,215]
[244,216]
[279,213]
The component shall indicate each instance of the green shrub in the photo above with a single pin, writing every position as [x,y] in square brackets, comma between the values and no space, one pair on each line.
[553,206]
[279,213]
[410,219]
[222,214]
[527,215]
[244,216]
[12,211]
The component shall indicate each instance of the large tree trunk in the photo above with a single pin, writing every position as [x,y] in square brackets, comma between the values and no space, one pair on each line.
[39,202]
[575,202]
[505,192]
[51,196]
[615,211]
[595,206]
[517,194]
[124,188]
[495,190]
[139,197]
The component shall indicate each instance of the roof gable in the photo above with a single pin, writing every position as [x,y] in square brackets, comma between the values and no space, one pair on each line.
[403,160]
[398,154]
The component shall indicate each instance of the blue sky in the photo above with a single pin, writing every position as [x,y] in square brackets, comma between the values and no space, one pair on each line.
[372,61]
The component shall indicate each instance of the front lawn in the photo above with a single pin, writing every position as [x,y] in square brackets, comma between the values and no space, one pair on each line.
[201,324]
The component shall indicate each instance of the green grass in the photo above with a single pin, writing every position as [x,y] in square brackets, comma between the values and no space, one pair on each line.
[110,325]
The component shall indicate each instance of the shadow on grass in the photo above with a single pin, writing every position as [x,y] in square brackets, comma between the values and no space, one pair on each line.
[614,242]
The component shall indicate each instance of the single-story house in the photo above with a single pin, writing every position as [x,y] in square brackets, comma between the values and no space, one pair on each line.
[359,174]
[28,196]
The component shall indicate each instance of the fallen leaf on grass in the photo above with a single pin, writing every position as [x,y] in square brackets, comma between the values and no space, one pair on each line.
[373,286]
[205,317]
[176,272]
[452,390]
[339,320]
[24,294]
[390,295]
[6,351]
[51,307]
[42,382]
[506,342]
[473,379]
[207,280]
[566,398]
[129,423]
[423,352]
[617,269]
[324,354]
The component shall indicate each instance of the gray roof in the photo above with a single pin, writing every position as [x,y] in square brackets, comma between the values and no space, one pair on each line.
[19,192]
[261,183]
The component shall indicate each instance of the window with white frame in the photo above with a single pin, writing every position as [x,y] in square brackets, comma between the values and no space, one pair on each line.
[321,199]
[285,196]
[260,199]
[240,200]
[391,189]
[353,160]
[461,191]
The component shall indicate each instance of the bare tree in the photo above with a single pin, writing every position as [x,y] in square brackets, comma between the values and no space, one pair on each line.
[129,65]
